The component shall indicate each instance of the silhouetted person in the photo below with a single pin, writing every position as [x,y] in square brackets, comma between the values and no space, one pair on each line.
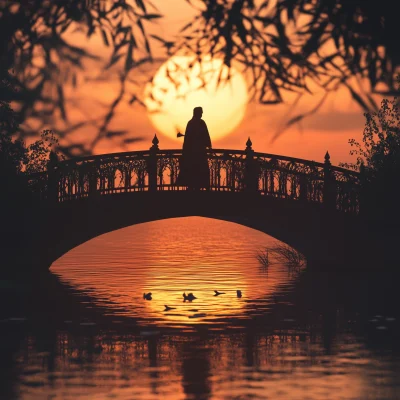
[194,172]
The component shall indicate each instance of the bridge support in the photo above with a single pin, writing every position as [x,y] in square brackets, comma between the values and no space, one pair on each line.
[329,193]
[93,178]
[251,169]
[152,165]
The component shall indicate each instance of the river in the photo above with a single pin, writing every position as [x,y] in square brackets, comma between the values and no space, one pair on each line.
[86,331]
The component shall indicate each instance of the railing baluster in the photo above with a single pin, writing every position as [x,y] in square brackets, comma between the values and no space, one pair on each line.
[243,170]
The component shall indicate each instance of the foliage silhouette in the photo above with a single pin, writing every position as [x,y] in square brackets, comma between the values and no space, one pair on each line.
[34,44]
[21,221]
[17,159]
[378,158]
[380,146]
[300,46]
[285,46]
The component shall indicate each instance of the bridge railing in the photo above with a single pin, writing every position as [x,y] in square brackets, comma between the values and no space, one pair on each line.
[230,170]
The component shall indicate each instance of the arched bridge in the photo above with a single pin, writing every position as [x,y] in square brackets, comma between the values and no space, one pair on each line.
[307,204]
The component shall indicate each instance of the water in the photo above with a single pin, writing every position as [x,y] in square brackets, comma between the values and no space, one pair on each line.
[86,331]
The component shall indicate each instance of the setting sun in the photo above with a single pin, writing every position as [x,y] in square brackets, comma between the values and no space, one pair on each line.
[175,91]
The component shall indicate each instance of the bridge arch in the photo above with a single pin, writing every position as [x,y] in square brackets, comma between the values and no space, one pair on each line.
[301,226]
[309,205]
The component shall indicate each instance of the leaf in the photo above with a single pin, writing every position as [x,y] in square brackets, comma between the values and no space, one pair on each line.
[113,60]
[185,27]
[129,60]
[146,42]
[74,127]
[160,39]
[141,5]
[265,102]
[134,99]
[295,119]
[61,102]
[357,98]
[90,23]
[133,140]
[265,20]
[110,134]
[105,38]
[263,5]
[166,43]
[372,101]
[74,150]
[74,80]
[241,30]
[151,16]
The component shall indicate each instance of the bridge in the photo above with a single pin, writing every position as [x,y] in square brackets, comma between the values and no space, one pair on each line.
[312,206]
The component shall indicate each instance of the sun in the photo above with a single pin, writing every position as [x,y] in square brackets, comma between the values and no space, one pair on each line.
[182,83]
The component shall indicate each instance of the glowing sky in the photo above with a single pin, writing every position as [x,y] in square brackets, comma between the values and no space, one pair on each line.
[338,120]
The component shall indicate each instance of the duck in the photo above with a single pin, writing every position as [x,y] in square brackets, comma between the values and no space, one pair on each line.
[189,296]
[168,308]
[239,293]
[147,296]
[218,293]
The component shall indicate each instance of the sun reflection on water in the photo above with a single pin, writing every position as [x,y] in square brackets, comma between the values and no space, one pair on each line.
[167,258]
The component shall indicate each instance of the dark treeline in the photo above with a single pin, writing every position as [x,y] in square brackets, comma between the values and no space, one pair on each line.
[20,216]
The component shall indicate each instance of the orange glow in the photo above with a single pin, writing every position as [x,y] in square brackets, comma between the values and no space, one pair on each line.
[168,258]
[170,101]
[330,128]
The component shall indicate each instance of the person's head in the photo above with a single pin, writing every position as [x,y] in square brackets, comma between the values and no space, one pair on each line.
[197,112]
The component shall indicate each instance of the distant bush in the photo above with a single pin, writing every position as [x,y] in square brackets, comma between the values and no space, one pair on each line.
[378,160]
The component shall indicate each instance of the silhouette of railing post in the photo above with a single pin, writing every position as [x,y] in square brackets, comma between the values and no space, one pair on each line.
[329,192]
[52,176]
[152,165]
[303,187]
[93,173]
[251,173]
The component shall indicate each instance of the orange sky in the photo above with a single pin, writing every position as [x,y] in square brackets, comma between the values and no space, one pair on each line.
[338,120]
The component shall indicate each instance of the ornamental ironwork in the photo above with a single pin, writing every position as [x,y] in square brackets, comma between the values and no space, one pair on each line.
[269,175]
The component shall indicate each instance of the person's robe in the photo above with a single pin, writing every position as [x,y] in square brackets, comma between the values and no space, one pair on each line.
[194,171]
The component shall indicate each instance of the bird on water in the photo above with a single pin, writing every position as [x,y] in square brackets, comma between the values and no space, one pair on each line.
[218,293]
[147,296]
[239,293]
[189,296]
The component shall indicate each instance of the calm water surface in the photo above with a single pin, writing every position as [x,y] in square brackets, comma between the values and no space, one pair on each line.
[86,331]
